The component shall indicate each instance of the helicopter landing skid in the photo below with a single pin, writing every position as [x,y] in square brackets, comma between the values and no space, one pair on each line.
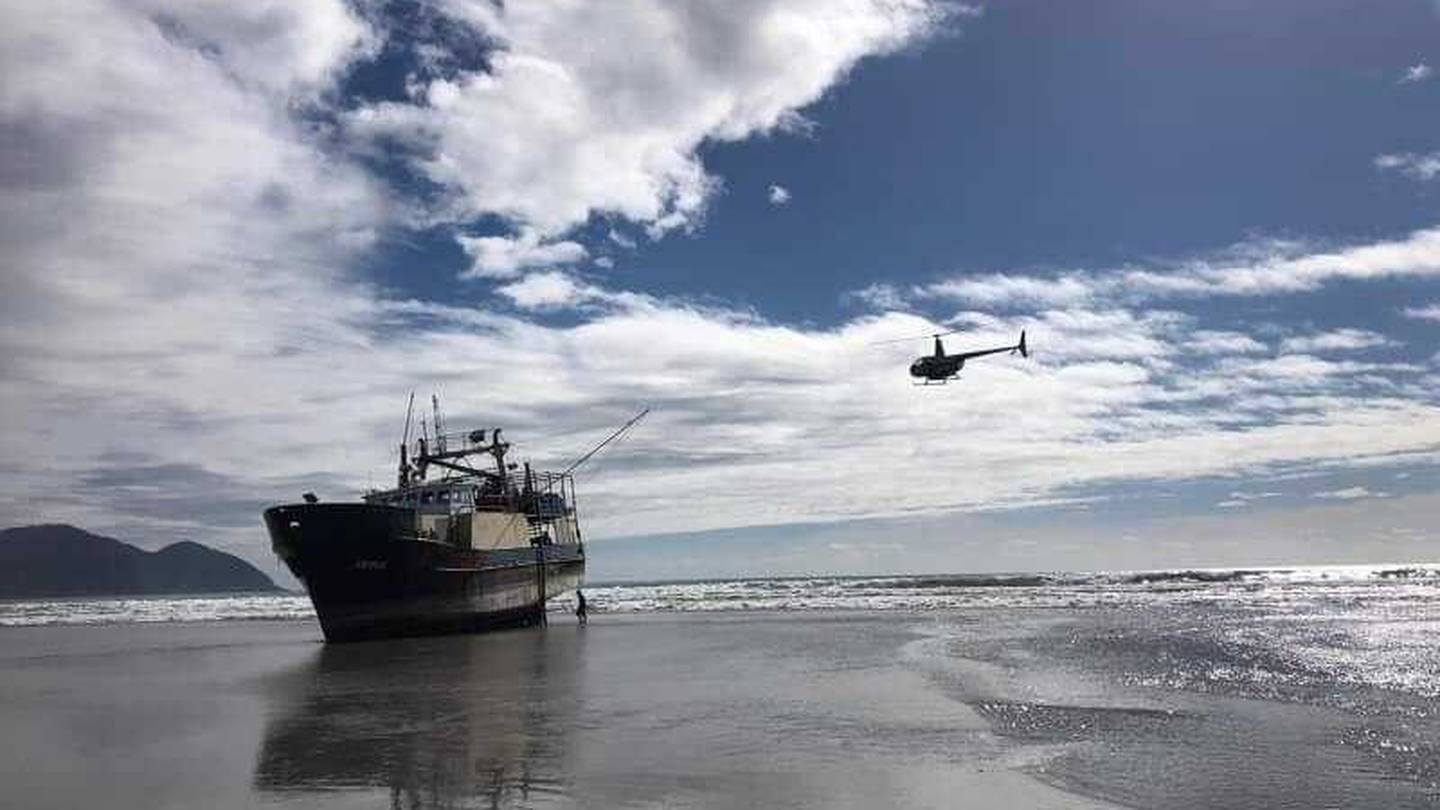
[928,383]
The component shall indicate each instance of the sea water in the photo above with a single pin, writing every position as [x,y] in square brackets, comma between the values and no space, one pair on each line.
[1314,687]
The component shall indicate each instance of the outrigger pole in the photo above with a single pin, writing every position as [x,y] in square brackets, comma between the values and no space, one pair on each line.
[608,439]
[550,484]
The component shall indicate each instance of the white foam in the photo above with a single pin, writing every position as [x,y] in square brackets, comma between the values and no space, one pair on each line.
[119,610]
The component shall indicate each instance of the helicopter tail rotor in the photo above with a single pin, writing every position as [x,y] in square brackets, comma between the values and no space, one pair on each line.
[1024,352]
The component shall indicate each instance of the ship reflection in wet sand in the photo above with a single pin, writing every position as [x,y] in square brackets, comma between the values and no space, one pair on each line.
[477,721]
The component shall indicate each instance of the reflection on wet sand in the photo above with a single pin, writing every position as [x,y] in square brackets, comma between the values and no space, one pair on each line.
[441,722]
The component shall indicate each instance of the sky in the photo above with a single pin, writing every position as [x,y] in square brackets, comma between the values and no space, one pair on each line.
[235,237]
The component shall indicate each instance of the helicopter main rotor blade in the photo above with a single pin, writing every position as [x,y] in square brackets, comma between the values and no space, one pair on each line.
[914,337]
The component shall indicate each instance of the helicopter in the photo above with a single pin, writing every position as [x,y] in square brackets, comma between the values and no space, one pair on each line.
[939,368]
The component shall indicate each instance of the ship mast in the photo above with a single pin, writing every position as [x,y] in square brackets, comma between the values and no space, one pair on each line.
[440,454]
[404,476]
[439,424]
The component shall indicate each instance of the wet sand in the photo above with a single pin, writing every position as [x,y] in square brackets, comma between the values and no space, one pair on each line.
[743,710]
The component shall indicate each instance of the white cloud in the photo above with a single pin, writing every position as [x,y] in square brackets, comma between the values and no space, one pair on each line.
[1350,494]
[1266,269]
[1418,72]
[621,239]
[1339,340]
[1418,167]
[1302,370]
[1418,255]
[878,296]
[1430,312]
[1207,341]
[744,409]
[271,45]
[1001,289]
[508,256]
[552,133]
[1074,334]
[541,291]
[778,195]
[165,222]
[1239,498]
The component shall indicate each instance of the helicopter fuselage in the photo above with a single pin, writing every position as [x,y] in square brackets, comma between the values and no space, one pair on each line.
[936,368]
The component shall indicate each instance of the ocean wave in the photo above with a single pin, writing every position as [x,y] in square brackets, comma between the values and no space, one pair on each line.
[1193,576]
[916,593]
[1274,587]
[146,610]
[970,581]
[1409,573]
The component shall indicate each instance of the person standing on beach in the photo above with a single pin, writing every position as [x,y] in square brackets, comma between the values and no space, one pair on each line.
[580,612]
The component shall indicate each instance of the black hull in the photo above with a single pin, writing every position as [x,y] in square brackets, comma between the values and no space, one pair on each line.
[369,578]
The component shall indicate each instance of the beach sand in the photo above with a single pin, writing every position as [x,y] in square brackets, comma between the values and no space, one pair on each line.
[748,710]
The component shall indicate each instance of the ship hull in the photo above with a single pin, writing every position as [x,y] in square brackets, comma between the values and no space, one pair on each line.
[369,577]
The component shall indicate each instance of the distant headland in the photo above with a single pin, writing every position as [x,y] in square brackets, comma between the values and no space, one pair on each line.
[58,560]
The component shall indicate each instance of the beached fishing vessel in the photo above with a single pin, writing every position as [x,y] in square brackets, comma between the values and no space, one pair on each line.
[484,545]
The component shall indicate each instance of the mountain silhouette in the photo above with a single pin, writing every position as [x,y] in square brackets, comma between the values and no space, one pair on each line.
[61,560]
